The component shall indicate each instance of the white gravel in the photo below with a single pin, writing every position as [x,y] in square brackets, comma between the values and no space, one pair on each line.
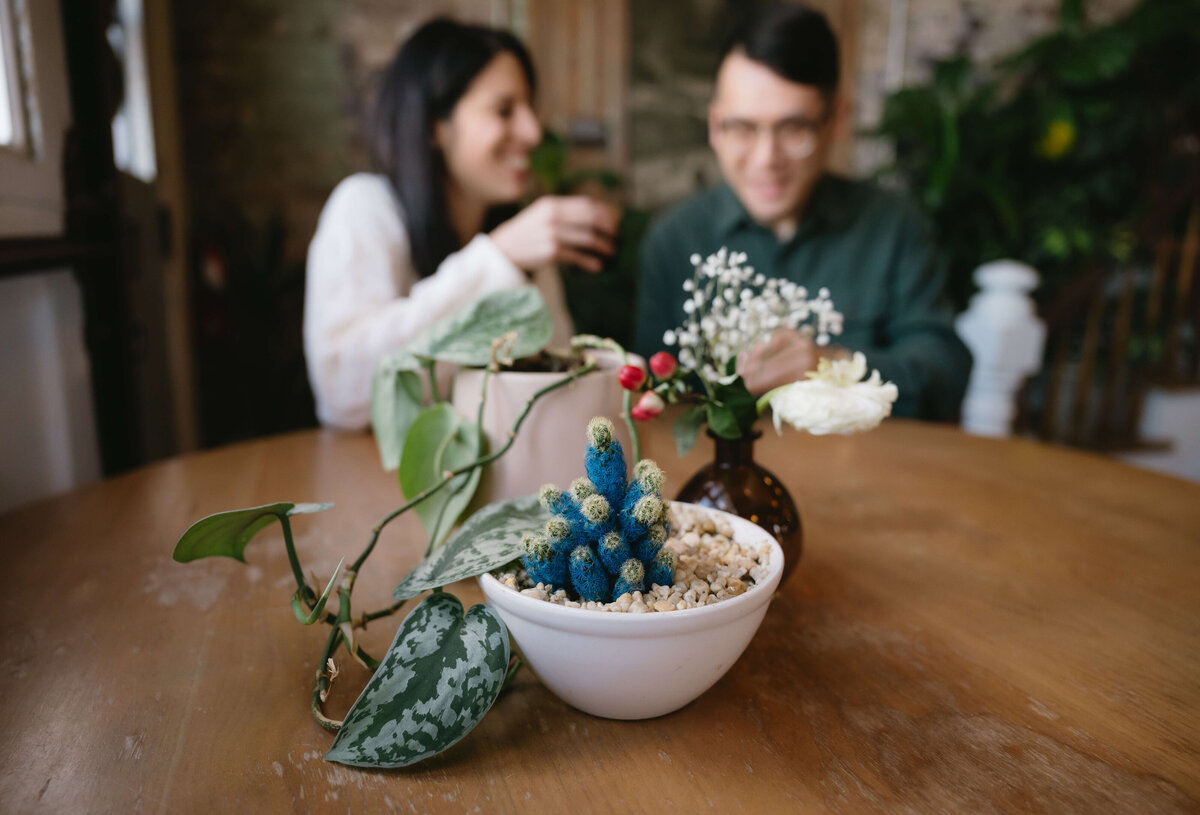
[709,567]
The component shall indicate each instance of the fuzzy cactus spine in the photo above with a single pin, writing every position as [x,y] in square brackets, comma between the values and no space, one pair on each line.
[581,488]
[598,518]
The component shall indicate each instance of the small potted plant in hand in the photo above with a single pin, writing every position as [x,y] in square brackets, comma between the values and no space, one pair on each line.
[729,311]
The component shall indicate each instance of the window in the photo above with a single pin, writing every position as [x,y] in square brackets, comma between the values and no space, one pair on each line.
[132,127]
[12,116]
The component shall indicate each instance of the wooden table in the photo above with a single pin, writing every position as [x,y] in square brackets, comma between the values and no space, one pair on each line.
[976,626]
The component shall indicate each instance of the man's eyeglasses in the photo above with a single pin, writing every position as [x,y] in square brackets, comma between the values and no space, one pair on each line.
[797,136]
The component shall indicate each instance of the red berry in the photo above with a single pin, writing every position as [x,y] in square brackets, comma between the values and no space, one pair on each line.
[649,406]
[631,377]
[663,364]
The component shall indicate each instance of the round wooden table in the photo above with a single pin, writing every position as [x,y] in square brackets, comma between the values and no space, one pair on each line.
[976,626]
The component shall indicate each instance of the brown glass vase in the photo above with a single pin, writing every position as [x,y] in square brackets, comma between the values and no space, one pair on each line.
[733,482]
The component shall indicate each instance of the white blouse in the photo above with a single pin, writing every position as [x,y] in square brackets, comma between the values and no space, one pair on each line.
[364,299]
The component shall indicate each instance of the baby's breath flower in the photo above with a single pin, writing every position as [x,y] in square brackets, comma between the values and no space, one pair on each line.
[731,308]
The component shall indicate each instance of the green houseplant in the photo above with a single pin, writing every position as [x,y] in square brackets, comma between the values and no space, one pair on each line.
[446,665]
[1054,154]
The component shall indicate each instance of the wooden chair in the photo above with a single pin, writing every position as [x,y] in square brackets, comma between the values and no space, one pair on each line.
[1113,335]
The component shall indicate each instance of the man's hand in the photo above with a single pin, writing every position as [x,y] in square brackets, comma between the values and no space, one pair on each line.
[555,229]
[786,357]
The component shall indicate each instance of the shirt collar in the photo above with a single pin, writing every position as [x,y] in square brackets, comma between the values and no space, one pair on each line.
[828,210]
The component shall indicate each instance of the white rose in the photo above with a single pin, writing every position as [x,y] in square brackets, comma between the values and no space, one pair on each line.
[833,400]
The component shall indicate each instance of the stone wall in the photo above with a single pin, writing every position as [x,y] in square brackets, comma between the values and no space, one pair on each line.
[274,96]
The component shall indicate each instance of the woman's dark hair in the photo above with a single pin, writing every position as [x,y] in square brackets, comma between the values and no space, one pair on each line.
[421,86]
[792,40]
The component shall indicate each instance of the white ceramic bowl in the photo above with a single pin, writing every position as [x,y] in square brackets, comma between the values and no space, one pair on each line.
[636,666]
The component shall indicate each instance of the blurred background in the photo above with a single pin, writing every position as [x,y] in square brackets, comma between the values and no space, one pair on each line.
[163,164]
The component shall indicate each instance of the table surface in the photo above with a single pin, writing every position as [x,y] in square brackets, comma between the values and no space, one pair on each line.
[976,626]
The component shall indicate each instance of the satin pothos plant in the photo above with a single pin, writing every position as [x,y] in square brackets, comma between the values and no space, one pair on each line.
[446,665]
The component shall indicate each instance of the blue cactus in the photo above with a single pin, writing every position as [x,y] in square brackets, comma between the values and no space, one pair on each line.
[555,501]
[606,536]
[604,461]
[613,551]
[598,518]
[647,479]
[661,571]
[588,575]
[637,520]
[647,547]
[561,535]
[542,563]
[630,578]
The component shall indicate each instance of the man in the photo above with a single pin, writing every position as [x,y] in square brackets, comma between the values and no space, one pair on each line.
[772,124]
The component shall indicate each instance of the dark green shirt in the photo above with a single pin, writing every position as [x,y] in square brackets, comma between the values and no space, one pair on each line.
[870,248]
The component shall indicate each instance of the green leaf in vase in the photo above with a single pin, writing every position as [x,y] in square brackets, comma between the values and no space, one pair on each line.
[487,540]
[686,428]
[226,534]
[466,336]
[396,392]
[437,681]
[733,412]
[438,442]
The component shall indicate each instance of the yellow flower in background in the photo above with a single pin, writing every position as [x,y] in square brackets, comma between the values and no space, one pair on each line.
[1058,140]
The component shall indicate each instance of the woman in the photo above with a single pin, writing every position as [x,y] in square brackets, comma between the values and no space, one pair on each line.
[396,251]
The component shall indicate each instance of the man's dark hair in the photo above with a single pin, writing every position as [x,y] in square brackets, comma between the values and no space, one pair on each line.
[791,39]
[429,74]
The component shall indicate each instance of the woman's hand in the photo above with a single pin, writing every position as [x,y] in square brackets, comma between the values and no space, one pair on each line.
[783,359]
[559,229]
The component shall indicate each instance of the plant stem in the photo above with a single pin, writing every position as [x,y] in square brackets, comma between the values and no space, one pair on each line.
[608,344]
[337,635]
[441,515]
[306,593]
[479,462]
[765,399]
[321,684]
[514,666]
[483,386]
[383,612]
[433,385]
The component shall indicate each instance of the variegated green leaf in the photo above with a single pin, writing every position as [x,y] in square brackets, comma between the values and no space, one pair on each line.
[396,392]
[488,539]
[227,533]
[442,673]
[465,337]
[440,441]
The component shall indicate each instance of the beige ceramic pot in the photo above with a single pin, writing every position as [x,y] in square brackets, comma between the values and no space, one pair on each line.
[550,444]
